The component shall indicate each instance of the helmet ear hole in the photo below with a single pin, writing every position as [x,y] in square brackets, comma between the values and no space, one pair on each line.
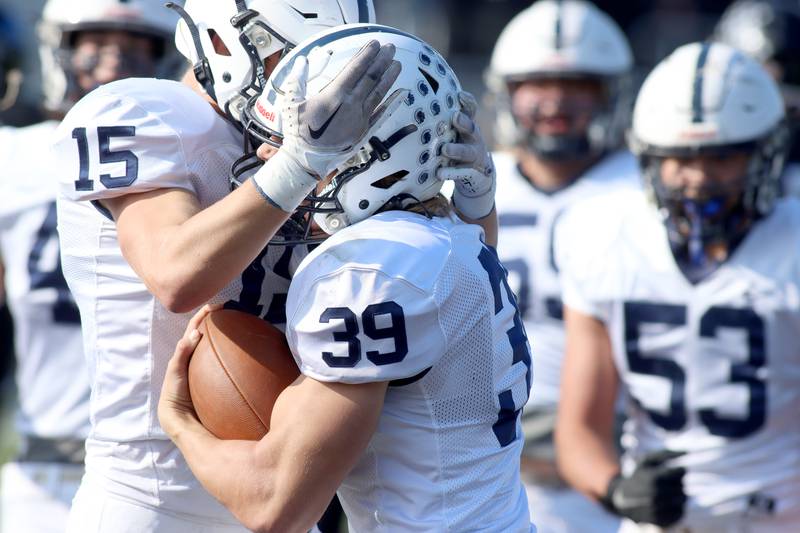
[387,181]
[219,45]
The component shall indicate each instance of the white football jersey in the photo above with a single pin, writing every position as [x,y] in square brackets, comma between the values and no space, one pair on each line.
[128,137]
[528,218]
[52,382]
[790,180]
[424,304]
[711,369]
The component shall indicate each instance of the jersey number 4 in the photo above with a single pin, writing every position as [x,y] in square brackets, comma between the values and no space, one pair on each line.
[746,373]
[505,429]
[104,136]
[45,272]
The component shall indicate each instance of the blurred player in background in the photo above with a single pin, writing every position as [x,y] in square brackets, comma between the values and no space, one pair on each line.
[769,31]
[688,299]
[10,63]
[560,75]
[83,45]
[414,358]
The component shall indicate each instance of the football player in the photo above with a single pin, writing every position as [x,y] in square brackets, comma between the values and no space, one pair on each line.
[83,45]
[687,298]
[563,104]
[150,230]
[414,361]
[769,31]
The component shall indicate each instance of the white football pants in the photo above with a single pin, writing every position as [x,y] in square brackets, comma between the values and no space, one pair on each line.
[36,497]
[94,510]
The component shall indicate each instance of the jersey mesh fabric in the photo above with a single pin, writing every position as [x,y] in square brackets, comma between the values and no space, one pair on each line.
[462,412]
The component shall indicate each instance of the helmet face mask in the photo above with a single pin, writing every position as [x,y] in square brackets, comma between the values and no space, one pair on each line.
[98,57]
[568,41]
[396,166]
[122,25]
[558,116]
[713,107]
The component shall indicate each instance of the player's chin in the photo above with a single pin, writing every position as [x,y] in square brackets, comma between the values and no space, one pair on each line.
[316,231]
[266,151]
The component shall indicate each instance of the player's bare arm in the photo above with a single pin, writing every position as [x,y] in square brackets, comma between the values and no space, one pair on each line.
[586,455]
[170,242]
[186,255]
[259,481]
[488,223]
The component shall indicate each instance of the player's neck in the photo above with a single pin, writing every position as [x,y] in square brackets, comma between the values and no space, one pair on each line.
[190,81]
[552,175]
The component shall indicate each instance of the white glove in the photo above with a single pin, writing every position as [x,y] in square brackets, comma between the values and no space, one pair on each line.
[319,133]
[472,168]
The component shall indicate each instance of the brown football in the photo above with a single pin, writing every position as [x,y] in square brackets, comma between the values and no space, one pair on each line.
[238,369]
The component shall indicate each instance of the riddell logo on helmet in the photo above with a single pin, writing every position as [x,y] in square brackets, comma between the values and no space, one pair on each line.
[122,12]
[265,113]
[555,61]
[698,134]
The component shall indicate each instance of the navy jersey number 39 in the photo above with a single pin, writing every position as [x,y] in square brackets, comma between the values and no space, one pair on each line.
[395,331]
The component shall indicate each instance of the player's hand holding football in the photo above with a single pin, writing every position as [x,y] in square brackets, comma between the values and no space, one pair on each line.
[319,132]
[175,409]
[653,494]
[472,167]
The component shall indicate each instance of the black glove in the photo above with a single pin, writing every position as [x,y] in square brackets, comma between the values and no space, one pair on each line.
[653,494]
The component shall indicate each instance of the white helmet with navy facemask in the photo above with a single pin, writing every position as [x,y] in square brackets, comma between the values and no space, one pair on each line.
[62,20]
[709,99]
[562,39]
[250,31]
[396,166]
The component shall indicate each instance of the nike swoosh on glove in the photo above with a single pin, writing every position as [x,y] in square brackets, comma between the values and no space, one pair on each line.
[321,131]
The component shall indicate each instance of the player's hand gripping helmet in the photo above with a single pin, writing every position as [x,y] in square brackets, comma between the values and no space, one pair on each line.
[709,99]
[251,31]
[62,20]
[562,39]
[397,165]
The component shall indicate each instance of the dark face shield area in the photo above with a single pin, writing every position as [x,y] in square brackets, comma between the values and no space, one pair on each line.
[100,57]
[701,197]
[557,114]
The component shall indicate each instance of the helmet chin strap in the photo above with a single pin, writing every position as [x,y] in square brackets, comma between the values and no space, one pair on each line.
[695,244]
[559,148]
[202,69]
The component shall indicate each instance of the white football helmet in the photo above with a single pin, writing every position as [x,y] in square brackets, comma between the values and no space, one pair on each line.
[562,39]
[708,98]
[397,165]
[252,30]
[63,19]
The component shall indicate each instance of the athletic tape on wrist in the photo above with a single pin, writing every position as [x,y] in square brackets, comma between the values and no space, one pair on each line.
[283,182]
